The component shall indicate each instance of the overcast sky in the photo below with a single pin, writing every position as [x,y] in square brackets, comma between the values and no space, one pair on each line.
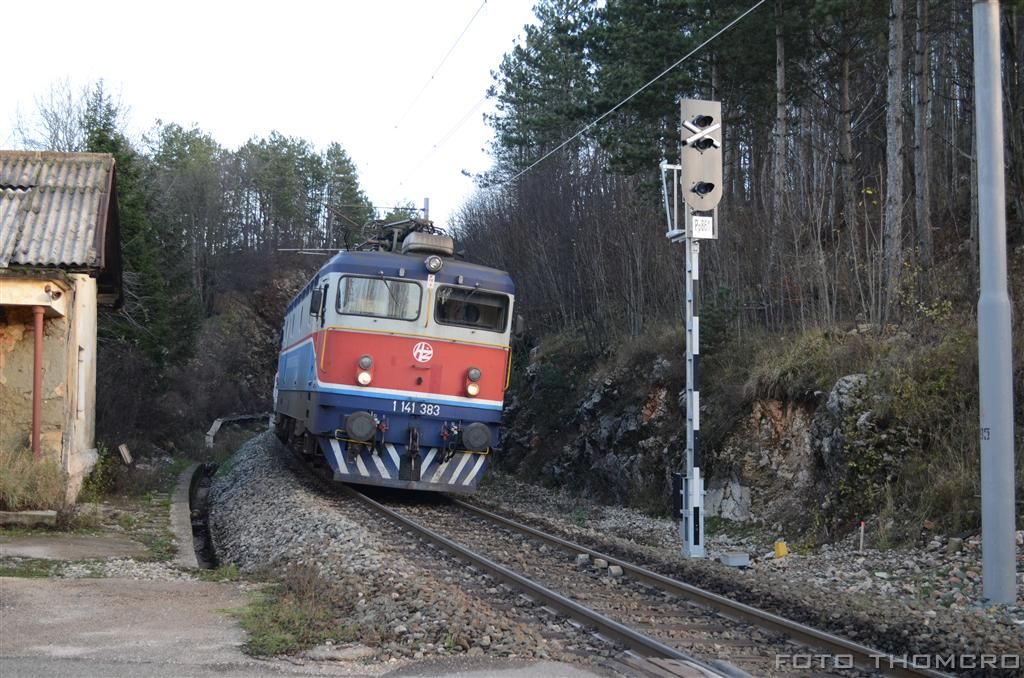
[323,70]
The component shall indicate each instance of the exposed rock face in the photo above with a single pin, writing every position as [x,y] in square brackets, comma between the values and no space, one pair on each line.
[828,429]
[728,499]
[769,464]
[618,439]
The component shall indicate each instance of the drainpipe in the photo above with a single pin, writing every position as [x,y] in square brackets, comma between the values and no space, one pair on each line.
[37,381]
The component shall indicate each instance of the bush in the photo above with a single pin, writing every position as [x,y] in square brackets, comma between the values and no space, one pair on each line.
[27,483]
[795,368]
[304,610]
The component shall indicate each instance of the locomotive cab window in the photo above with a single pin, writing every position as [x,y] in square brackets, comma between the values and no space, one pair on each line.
[471,308]
[379,298]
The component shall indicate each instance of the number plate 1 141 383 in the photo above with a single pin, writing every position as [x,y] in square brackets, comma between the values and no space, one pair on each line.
[411,407]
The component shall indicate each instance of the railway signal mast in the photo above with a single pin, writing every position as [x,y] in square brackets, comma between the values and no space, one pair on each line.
[698,178]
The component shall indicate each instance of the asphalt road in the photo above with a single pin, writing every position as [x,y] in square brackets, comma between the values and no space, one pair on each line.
[124,628]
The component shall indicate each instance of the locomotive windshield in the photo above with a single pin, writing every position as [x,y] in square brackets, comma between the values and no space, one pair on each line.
[379,298]
[471,308]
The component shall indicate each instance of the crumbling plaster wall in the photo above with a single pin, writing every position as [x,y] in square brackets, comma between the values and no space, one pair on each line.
[16,365]
[69,370]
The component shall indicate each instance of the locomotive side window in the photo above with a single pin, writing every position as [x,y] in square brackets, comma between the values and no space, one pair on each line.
[471,308]
[379,298]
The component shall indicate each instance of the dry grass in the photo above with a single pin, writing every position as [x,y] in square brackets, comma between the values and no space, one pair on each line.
[27,483]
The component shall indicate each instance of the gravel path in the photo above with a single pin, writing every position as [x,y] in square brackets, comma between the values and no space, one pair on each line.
[407,601]
[924,601]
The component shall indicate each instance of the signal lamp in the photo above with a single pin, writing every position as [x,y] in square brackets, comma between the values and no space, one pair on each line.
[703,120]
[703,187]
[473,389]
[704,143]
[474,374]
[365,362]
[364,378]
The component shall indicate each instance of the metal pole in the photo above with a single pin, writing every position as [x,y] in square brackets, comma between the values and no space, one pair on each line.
[692,525]
[37,380]
[995,367]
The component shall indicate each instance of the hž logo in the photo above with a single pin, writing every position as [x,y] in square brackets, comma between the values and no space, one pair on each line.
[423,352]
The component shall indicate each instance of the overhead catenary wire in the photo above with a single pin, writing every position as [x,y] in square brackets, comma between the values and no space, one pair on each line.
[619,105]
[451,49]
[440,142]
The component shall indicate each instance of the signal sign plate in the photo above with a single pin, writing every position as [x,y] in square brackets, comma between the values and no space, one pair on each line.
[703,227]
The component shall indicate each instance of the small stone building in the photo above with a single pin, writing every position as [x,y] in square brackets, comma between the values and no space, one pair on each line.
[60,258]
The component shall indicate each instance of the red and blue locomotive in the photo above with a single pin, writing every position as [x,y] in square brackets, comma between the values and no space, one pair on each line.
[394,363]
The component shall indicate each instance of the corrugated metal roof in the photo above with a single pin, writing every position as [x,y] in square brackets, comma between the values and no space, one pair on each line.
[51,205]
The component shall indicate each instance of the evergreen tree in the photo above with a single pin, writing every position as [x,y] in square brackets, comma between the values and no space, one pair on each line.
[160,314]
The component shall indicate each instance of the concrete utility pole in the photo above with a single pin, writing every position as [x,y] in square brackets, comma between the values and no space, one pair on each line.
[995,365]
[699,178]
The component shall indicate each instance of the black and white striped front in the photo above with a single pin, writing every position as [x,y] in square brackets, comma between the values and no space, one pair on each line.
[461,472]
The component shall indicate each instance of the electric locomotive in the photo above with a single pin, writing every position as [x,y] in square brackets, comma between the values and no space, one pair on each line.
[394,363]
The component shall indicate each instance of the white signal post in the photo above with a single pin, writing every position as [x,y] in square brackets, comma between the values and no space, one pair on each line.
[699,178]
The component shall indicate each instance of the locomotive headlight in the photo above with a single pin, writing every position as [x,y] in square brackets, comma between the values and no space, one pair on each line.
[474,374]
[365,363]
[433,263]
[473,389]
[364,378]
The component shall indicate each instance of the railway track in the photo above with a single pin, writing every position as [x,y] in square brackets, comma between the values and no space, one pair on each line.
[668,627]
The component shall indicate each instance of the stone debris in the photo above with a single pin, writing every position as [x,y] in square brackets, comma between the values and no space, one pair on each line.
[403,604]
[930,596]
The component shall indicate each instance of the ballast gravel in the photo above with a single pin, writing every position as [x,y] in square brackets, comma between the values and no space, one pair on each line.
[405,601]
[925,601]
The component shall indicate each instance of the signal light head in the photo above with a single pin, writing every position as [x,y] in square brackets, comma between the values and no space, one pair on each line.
[702,188]
[703,120]
[704,143]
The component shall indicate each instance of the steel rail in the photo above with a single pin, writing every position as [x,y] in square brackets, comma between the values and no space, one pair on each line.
[864,657]
[637,642]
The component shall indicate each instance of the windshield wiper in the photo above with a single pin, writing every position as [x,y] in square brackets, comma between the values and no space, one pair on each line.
[390,291]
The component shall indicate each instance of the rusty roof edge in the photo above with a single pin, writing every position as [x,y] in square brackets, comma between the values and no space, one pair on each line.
[103,214]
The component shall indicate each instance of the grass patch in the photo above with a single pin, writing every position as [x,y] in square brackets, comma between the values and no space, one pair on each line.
[152,527]
[229,572]
[27,567]
[303,611]
[27,483]
[795,368]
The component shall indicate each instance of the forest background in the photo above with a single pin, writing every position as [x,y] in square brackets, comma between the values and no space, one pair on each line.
[850,203]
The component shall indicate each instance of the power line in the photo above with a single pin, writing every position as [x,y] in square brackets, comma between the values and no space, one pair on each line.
[443,59]
[448,135]
[624,101]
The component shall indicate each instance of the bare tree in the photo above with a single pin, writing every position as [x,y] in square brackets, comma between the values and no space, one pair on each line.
[922,197]
[893,224]
[56,123]
[779,151]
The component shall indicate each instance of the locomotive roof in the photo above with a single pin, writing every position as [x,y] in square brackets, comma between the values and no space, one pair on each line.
[373,263]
